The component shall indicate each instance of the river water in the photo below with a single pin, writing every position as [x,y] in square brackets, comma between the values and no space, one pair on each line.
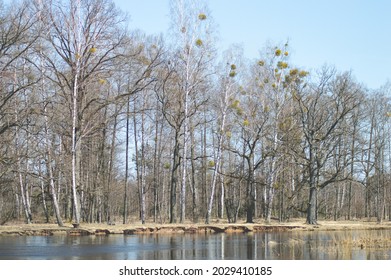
[295,245]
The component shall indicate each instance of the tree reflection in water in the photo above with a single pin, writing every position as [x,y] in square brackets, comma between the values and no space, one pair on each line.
[293,245]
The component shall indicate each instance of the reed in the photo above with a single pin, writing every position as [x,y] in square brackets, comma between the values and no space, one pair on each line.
[364,239]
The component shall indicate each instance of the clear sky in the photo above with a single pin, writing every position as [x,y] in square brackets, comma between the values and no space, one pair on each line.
[348,34]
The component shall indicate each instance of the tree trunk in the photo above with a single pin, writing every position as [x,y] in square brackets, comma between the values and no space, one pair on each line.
[352,150]
[272,175]
[25,204]
[312,207]
[222,197]
[125,202]
[312,201]
[107,205]
[250,193]
[194,188]
[217,160]
[140,159]
[74,148]
[156,169]
[53,190]
[174,179]
[45,208]
[368,169]
[184,164]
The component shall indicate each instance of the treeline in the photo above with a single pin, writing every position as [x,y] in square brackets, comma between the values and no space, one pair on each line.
[102,124]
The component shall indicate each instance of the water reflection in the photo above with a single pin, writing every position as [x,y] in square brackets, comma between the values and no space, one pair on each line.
[263,246]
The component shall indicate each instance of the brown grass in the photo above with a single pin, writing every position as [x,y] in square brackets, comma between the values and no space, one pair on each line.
[188,227]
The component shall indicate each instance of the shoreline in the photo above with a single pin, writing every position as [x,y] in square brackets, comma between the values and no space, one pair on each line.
[187,228]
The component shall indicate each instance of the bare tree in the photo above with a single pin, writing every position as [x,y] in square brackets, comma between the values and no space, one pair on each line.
[322,107]
[17,26]
[193,54]
[225,103]
[84,36]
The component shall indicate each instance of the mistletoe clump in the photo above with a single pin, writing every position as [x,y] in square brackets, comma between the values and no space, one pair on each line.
[202,16]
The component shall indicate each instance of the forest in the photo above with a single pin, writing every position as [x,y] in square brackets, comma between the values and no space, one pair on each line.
[100,123]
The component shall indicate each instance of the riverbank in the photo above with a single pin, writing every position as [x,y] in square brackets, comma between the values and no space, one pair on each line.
[138,228]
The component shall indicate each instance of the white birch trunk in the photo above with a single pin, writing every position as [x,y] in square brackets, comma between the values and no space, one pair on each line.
[51,176]
[74,149]
[273,176]
[222,198]
[75,94]
[26,209]
[184,158]
[218,157]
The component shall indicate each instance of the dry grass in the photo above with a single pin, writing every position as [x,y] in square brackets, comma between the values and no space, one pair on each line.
[368,239]
[20,228]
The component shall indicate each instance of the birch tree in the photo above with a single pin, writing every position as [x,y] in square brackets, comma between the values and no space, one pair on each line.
[226,102]
[84,36]
[17,26]
[275,77]
[193,52]
[143,57]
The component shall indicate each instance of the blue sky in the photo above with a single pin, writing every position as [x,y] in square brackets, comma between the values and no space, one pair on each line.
[350,35]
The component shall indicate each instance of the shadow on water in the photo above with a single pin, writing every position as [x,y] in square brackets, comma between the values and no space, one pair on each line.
[294,245]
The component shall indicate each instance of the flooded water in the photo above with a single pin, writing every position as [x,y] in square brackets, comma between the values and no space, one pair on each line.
[294,245]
